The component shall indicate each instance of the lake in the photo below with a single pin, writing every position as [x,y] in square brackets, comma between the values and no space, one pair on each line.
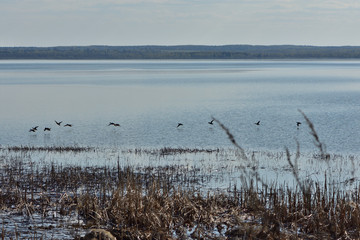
[148,98]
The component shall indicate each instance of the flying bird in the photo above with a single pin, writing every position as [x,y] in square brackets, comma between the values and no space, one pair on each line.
[68,125]
[257,123]
[58,123]
[34,129]
[298,124]
[211,122]
[114,124]
[47,129]
[179,124]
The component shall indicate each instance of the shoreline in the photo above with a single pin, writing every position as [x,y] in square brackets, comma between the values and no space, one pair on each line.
[69,200]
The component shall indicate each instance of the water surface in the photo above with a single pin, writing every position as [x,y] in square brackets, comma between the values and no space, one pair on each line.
[149,98]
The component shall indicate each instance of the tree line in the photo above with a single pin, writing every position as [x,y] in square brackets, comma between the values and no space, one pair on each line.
[182,52]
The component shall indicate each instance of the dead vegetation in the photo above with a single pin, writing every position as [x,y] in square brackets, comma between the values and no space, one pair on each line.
[142,204]
[75,149]
[173,151]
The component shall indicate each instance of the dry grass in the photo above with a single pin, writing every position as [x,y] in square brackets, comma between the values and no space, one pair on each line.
[173,151]
[134,204]
[143,206]
[47,148]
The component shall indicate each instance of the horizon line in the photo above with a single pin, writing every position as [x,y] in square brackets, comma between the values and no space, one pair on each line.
[178,45]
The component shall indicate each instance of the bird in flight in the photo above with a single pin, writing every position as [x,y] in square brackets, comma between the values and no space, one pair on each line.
[298,124]
[114,124]
[257,123]
[211,122]
[47,129]
[58,123]
[68,125]
[34,129]
[179,124]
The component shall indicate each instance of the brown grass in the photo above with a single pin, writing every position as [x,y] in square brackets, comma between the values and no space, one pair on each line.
[172,151]
[46,149]
[142,205]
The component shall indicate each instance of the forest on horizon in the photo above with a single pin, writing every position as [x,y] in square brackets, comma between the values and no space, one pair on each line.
[182,52]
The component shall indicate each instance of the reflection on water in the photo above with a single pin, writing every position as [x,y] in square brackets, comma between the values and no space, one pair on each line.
[149,98]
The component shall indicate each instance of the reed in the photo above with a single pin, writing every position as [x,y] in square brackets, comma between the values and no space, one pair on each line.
[172,151]
[161,202]
[132,205]
[47,148]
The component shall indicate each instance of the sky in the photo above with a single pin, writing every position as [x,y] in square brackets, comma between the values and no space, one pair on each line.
[179,22]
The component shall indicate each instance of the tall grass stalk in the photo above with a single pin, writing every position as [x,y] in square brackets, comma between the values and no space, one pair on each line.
[148,204]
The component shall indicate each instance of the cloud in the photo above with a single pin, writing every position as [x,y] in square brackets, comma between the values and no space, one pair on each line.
[54,22]
[32,6]
[335,4]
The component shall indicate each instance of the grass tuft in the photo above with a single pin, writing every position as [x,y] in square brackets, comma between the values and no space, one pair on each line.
[159,202]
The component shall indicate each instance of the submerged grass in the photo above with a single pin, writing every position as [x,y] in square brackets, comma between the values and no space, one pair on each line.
[47,148]
[130,205]
[172,151]
[153,202]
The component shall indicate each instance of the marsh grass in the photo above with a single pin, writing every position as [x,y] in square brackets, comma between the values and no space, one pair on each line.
[77,149]
[172,151]
[144,206]
[161,202]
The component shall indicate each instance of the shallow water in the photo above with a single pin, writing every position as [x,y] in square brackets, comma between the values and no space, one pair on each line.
[202,170]
[149,98]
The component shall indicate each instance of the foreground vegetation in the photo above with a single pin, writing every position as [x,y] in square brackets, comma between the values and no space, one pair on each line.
[130,205]
[147,203]
[181,52]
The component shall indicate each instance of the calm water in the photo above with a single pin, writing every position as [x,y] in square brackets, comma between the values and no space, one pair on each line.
[149,98]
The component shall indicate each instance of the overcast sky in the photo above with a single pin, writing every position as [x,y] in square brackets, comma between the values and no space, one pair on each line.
[174,22]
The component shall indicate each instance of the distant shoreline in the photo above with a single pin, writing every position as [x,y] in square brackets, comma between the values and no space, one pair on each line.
[181,52]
